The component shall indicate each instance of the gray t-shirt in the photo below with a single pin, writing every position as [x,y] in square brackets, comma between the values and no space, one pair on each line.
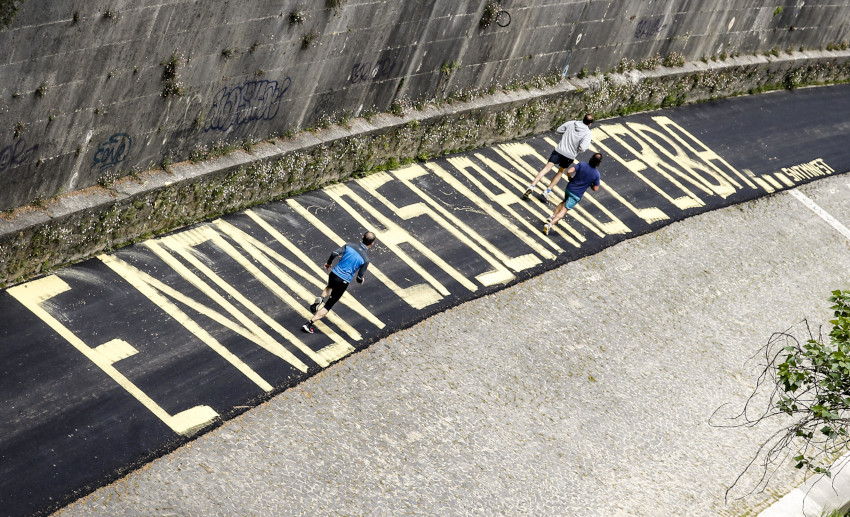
[575,139]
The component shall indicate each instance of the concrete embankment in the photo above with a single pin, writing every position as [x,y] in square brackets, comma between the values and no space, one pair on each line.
[90,93]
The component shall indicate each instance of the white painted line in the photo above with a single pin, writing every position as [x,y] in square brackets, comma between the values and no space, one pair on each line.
[823,214]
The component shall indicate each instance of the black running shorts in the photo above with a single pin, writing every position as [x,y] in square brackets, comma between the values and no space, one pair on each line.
[338,287]
[560,160]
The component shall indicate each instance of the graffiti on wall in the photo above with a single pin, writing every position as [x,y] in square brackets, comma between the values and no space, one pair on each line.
[362,72]
[567,63]
[16,154]
[250,101]
[648,27]
[113,151]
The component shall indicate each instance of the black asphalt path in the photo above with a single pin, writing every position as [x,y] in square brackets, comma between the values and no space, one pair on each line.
[122,358]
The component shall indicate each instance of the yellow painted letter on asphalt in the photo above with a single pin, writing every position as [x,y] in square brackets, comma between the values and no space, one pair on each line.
[614,226]
[417,296]
[164,297]
[640,165]
[649,214]
[392,235]
[517,154]
[452,224]
[541,211]
[700,174]
[812,169]
[823,166]
[710,158]
[314,275]
[183,243]
[271,261]
[36,292]
[529,234]
[579,213]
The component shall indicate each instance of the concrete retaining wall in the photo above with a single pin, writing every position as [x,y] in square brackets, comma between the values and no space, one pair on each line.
[92,91]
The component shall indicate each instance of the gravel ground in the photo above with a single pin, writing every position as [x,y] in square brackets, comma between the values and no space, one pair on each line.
[584,391]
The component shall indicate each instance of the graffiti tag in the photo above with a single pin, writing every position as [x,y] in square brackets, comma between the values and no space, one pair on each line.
[648,27]
[567,63]
[362,72]
[253,100]
[15,154]
[113,151]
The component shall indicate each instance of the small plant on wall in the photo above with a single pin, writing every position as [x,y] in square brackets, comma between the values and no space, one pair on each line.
[297,17]
[309,39]
[170,77]
[8,10]
[336,5]
[491,12]
[41,91]
[449,67]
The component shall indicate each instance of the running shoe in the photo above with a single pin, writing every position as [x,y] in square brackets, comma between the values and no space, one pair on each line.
[308,328]
[527,192]
[545,195]
[314,307]
[546,228]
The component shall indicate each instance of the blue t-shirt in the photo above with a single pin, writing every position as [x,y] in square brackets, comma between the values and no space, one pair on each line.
[354,261]
[584,178]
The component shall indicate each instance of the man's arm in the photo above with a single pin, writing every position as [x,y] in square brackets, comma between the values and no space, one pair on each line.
[563,128]
[571,172]
[334,255]
[584,145]
[595,188]
[361,273]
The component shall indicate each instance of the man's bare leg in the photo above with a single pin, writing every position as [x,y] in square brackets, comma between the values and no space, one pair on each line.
[546,168]
[320,300]
[559,213]
[319,315]
[555,180]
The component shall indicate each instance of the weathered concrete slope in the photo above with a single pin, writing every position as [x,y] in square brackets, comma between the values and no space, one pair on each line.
[92,91]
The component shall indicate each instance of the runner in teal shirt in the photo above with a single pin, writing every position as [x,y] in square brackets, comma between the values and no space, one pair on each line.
[582,177]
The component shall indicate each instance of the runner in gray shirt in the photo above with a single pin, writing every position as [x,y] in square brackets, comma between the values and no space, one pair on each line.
[575,139]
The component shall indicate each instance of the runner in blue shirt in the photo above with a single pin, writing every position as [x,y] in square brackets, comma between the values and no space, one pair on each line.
[352,266]
[582,176]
